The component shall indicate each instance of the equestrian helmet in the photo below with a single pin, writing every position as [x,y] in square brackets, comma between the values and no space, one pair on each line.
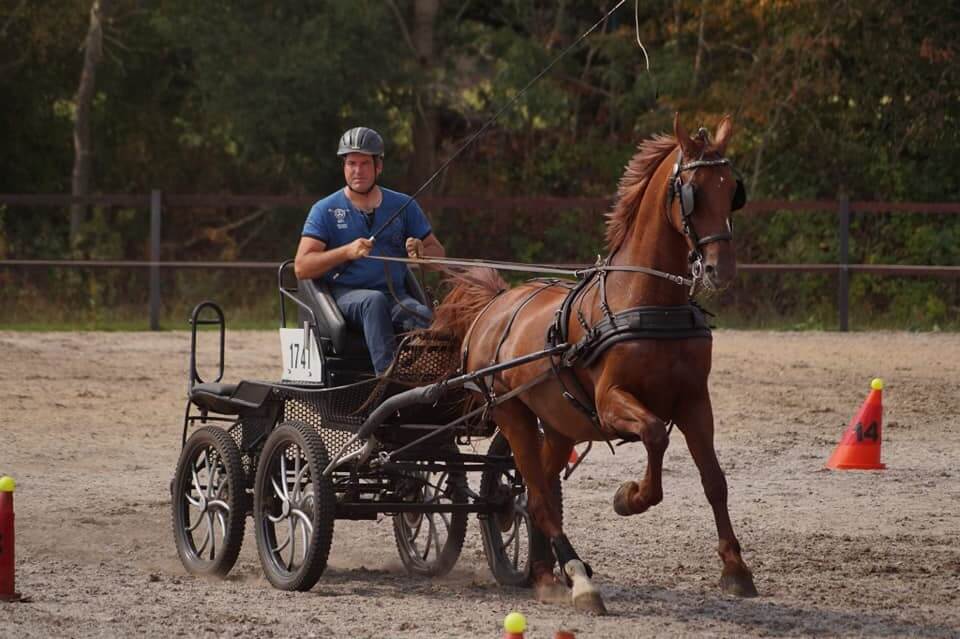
[361,139]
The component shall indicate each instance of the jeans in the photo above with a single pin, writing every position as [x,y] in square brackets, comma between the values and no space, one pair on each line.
[377,312]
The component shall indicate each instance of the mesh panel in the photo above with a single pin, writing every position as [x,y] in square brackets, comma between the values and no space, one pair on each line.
[425,358]
[336,413]
[331,412]
[247,462]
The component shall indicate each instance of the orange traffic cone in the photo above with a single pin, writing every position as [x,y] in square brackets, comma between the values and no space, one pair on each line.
[859,448]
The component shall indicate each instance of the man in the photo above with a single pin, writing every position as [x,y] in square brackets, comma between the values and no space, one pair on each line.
[336,239]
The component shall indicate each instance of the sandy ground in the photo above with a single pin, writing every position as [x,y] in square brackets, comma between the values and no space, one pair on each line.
[90,426]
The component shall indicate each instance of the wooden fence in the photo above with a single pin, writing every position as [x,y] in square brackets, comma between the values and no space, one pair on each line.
[156,201]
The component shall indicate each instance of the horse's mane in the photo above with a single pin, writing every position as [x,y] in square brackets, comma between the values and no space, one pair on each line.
[633,184]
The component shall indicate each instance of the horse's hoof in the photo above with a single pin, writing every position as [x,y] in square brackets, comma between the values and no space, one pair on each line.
[621,500]
[738,582]
[590,603]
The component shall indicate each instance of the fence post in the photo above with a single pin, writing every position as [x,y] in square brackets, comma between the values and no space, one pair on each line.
[843,276]
[156,211]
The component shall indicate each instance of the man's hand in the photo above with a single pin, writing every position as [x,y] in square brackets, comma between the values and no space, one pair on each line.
[358,248]
[414,247]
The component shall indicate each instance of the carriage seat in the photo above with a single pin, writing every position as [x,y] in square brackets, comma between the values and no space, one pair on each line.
[340,340]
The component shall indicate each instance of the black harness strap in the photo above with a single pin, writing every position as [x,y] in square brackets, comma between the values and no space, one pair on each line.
[469,334]
[643,322]
[547,284]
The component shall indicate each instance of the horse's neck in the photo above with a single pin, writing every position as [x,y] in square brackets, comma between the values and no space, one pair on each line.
[652,242]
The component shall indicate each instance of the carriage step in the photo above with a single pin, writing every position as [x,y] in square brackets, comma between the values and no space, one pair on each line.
[230,399]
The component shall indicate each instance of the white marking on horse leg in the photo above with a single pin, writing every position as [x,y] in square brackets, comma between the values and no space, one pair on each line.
[586,597]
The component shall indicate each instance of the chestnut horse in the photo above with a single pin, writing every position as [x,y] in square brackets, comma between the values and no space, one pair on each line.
[635,388]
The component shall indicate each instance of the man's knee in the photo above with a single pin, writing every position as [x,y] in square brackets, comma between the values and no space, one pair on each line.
[375,301]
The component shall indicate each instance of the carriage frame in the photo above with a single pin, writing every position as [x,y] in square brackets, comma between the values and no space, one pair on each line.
[296,457]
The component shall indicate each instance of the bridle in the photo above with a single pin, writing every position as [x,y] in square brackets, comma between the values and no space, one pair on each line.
[687,195]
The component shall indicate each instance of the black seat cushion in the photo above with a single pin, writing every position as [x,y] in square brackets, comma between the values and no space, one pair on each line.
[230,399]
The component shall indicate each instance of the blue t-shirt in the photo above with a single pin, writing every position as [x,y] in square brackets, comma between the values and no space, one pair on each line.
[335,221]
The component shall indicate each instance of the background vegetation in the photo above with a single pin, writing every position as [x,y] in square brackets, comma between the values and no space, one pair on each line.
[858,98]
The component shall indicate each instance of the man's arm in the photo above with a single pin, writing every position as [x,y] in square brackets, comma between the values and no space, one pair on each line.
[429,246]
[313,260]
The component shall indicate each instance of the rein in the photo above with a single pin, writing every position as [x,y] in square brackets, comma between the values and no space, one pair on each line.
[574,270]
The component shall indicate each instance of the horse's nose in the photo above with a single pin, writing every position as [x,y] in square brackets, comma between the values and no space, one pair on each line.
[718,274]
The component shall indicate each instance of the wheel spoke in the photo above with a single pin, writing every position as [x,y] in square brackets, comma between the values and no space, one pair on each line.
[302,516]
[414,532]
[206,540]
[213,535]
[283,475]
[193,502]
[223,523]
[213,484]
[436,537]
[446,522]
[293,542]
[207,471]
[276,489]
[280,548]
[516,544]
[306,541]
[200,517]
[217,503]
[196,481]
[296,477]
[426,547]
[509,540]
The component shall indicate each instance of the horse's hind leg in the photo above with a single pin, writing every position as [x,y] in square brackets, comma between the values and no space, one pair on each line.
[696,422]
[623,414]
[554,453]
[519,426]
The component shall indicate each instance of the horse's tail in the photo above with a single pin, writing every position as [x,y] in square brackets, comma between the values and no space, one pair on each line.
[472,291]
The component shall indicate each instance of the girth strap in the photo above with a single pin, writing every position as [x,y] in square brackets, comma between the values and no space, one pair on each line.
[643,322]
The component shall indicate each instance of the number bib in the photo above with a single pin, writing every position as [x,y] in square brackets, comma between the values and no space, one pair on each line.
[301,362]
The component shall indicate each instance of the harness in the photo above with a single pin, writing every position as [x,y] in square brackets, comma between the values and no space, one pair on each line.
[638,323]
[686,321]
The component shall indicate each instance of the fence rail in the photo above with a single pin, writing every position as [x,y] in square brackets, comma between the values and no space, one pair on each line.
[156,200]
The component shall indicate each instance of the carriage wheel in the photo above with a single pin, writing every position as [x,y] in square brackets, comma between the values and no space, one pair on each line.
[429,543]
[209,503]
[510,538]
[293,509]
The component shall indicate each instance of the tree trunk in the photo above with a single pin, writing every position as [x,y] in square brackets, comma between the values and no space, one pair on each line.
[425,118]
[677,24]
[82,151]
[700,45]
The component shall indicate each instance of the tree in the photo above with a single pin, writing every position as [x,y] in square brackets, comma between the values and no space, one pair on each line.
[83,151]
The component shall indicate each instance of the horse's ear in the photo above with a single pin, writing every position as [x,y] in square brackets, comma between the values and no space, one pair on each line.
[683,138]
[724,133]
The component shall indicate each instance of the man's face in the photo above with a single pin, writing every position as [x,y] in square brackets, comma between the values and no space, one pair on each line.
[360,170]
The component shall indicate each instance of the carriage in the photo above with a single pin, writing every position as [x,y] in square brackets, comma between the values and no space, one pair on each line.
[332,441]
[617,351]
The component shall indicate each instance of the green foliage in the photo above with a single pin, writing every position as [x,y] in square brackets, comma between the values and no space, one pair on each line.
[860,98]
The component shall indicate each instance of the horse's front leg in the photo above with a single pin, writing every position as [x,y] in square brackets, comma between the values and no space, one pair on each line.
[695,420]
[623,414]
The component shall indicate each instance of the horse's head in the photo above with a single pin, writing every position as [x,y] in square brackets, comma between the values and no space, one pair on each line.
[703,192]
